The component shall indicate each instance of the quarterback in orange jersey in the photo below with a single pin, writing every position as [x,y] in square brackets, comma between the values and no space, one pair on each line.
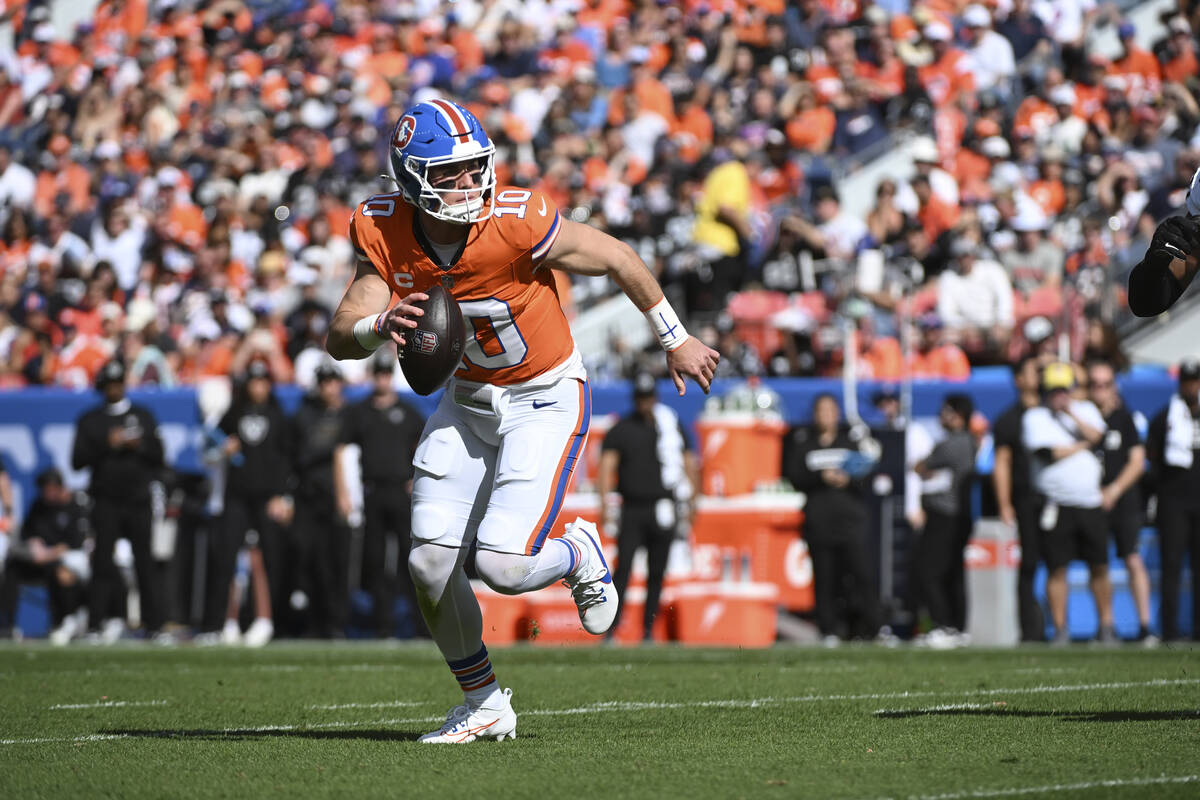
[496,457]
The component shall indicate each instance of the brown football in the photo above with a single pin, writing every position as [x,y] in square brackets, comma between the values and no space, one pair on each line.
[433,349]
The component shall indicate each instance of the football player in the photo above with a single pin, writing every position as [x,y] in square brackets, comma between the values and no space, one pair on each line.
[1171,262]
[496,457]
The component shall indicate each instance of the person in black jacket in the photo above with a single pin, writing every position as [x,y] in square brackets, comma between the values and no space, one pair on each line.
[819,460]
[119,442]
[1019,503]
[1173,445]
[51,552]
[632,463]
[254,438]
[386,430]
[320,537]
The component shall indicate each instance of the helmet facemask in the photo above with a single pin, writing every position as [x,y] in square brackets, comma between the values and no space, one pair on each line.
[474,207]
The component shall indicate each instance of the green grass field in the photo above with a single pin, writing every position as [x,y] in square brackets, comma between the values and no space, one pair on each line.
[340,720]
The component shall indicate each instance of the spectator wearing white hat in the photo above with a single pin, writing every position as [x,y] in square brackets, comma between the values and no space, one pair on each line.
[949,76]
[927,162]
[1070,129]
[991,55]
[975,301]
[1035,261]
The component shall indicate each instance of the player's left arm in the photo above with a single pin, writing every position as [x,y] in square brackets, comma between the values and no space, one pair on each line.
[583,250]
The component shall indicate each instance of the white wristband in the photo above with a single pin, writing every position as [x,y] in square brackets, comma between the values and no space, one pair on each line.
[367,333]
[666,324]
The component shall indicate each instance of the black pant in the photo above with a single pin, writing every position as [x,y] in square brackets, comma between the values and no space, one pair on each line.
[320,545]
[243,513]
[63,599]
[1029,533]
[940,558]
[123,519]
[1178,533]
[834,560]
[387,513]
[640,528]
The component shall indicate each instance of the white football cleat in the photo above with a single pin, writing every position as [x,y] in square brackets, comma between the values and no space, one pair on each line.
[261,631]
[591,584]
[231,633]
[463,725]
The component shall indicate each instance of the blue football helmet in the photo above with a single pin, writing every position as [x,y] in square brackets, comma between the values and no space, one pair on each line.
[433,134]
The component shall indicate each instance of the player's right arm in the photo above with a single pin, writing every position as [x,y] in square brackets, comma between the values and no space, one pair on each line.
[1170,264]
[363,321]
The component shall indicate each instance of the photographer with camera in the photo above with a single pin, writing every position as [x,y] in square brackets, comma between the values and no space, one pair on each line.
[825,461]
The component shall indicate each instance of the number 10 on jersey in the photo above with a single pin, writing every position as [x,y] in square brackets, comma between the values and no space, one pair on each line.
[496,341]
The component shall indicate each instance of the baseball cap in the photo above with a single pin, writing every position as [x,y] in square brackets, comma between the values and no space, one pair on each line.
[1058,376]
[976,16]
[1189,370]
[924,150]
[382,365]
[258,369]
[644,385]
[328,372]
[937,31]
[887,391]
[112,372]
[1126,29]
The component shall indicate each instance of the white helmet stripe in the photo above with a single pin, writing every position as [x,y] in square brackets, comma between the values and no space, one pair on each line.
[458,123]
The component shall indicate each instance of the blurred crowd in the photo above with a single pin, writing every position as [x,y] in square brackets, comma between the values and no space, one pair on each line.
[176,176]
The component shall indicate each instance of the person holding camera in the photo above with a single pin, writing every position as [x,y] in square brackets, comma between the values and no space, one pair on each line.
[824,461]
[119,442]
[1062,436]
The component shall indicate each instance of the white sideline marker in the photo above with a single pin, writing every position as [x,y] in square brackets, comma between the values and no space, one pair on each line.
[648,705]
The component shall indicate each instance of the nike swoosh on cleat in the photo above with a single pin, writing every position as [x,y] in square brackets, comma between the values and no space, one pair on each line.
[544,403]
[476,731]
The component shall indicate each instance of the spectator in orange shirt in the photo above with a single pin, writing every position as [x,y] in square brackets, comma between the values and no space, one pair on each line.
[949,77]
[1178,54]
[1139,68]
[811,128]
[65,186]
[936,357]
[935,216]
[1048,191]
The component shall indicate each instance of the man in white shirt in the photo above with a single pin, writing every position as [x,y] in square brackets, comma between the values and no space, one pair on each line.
[975,300]
[992,61]
[17,182]
[1061,436]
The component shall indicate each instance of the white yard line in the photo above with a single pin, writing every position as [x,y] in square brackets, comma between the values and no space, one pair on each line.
[935,709]
[391,704]
[107,704]
[1114,783]
[648,705]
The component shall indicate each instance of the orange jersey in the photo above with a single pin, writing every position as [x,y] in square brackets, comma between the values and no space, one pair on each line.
[516,329]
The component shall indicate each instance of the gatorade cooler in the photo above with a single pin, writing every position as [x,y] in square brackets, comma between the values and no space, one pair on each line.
[738,452]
